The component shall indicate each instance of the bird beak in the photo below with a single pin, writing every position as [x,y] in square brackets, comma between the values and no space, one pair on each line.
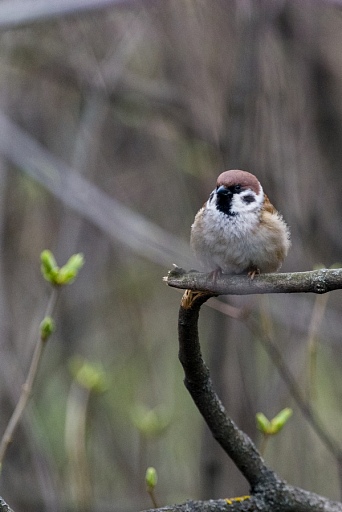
[223,191]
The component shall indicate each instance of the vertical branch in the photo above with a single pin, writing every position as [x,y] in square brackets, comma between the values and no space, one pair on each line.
[197,380]
[28,385]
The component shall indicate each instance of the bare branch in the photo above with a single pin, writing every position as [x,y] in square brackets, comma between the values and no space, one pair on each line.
[313,281]
[268,490]
[316,281]
[197,380]
[22,12]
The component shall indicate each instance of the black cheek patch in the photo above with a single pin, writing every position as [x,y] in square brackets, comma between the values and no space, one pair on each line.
[249,199]
[224,203]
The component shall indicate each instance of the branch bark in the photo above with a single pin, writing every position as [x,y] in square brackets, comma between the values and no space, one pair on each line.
[198,382]
[316,281]
[4,507]
[286,499]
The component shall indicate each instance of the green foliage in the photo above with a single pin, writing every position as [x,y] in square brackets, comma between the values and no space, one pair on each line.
[272,427]
[60,276]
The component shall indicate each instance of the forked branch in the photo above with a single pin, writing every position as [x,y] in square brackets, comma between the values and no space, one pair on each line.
[268,492]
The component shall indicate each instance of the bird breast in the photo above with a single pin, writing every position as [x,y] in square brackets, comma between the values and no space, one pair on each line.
[236,243]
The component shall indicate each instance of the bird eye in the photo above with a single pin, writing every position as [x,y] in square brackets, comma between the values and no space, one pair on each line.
[237,188]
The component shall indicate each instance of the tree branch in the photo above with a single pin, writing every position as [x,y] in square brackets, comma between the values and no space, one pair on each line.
[198,382]
[233,505]
[4,507]
[268,490]
[316,281]
[283,498]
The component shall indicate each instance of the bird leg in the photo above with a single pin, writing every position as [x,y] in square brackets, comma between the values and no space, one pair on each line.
[214,274]
[252,271]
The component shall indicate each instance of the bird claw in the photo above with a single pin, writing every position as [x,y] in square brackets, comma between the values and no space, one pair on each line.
[252,272]
[214,274]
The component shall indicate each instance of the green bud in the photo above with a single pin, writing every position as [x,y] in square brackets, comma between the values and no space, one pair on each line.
[49,266]
[60,276]
[48,260]
[69,271]
[88,375]
[151,478]
[150,422]
[47,327]
[280,420]
[263,424]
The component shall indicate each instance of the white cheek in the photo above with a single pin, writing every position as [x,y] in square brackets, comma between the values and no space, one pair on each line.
[241,206]
[211,204]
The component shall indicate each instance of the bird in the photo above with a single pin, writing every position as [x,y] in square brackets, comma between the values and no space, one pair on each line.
[238,230]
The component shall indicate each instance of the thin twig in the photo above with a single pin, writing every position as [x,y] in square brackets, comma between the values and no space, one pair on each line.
[28,385]
[152,495]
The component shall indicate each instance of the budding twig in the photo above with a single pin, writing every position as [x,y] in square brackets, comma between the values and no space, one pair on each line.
[28,385]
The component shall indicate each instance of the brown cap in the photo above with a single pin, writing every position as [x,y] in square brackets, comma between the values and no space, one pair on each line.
[237,177]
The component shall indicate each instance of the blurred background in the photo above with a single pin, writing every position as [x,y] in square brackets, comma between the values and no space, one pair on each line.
[114,124]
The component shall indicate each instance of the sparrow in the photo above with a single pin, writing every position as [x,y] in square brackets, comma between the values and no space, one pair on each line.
[238,230]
